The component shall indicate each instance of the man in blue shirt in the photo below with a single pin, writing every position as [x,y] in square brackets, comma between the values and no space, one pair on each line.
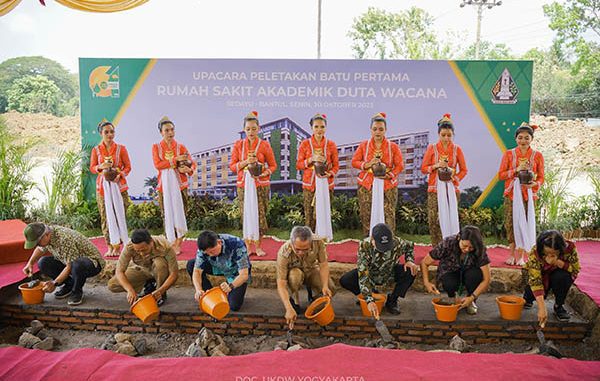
[221,254]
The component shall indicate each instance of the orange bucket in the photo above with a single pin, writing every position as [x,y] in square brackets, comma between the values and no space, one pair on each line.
[444,312]
[214,302]
[321,311]
[146,309]
[33,295]
[510,306]
[379,301]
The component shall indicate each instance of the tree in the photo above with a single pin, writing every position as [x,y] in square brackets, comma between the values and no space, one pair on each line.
[404,35]
[33,94]
[573,19]
[469,196]
[16,68]
[552,81]
[576,23]
[152,183]
[488,51]
[15,173]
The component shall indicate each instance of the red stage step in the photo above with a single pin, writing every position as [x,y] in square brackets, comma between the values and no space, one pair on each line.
[12,241]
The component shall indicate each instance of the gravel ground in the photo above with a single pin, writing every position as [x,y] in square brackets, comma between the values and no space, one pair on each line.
[175,345]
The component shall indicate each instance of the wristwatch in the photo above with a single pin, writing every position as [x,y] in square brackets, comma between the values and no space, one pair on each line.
[231,286]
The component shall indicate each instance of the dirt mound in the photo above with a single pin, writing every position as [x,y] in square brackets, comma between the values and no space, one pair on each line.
[567,143]
[55,133]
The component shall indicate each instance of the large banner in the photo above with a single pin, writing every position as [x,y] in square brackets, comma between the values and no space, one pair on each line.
[208,98]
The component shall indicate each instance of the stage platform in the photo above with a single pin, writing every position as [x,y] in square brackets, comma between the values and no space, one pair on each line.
[12,241]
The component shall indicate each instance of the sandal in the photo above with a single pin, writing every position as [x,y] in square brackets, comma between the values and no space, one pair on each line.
[510,261]
[260,252]
[521,262]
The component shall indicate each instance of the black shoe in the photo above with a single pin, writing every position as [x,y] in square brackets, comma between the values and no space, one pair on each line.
[149,287]
[75,299]
[528,305]
[392,308]
[63,292]
[295,306]
[561,314]
[162,299]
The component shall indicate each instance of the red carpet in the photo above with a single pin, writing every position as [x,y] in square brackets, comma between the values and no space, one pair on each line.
[589,258]
[12,272]
[338,252]
[12,241]
[341,362]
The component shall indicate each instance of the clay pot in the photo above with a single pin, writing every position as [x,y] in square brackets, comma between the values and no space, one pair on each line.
[445,174]
[214,302]
[186,162]
[320,168]
[445,312]
[146,309]
[110,173]
[379,301]
[33,295]
[321,311]
[525,176]
[510,306]
[379,170]
[255,169]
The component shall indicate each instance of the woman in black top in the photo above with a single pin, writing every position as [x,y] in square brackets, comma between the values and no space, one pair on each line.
[463,265]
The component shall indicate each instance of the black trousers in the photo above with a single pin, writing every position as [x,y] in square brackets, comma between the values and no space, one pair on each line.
[471,278]
[81,269]
[560,282]
[403,280]
[235,297]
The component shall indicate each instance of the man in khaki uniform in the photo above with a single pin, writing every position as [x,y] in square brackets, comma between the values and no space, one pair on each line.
[154,267]
[301,261]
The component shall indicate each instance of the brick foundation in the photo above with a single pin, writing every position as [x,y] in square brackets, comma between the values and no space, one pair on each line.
[241,324]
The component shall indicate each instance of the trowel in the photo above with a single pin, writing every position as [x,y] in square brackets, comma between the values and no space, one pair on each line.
[386,336]
[547,348]
[289,337]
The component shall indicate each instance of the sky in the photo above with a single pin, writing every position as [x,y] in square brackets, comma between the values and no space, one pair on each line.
[243,29]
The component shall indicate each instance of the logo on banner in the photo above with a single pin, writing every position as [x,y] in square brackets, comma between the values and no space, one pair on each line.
[505,89]
[104,82]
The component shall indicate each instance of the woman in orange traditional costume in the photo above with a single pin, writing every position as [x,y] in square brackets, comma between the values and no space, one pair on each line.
[318,159]
[380,162]
[253,160]
[445,164]
[174,164]
[522,168]
[110,161]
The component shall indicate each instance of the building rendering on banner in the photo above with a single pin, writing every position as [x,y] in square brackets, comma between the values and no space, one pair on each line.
[284,135]
[413,146]
[215,179]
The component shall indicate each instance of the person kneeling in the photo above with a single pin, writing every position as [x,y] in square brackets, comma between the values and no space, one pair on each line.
[221,254]
[302,261]
[553,265]
[73,259]
[378,263]
[154,268]
[464,264]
